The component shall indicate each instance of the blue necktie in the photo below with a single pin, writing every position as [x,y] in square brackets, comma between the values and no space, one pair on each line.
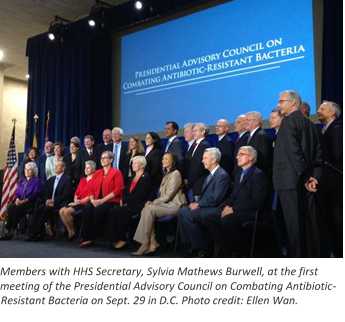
[116,151]
[56,182]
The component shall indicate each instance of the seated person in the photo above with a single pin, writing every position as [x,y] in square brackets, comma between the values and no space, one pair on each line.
[57,193]
[136,193]
[28,189]
[81,198]
[171,198]
[247,197]
[213,192]
[107,189]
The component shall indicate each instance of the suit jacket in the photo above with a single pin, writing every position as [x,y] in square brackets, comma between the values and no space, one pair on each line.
[226,147]
[249,195]
[170,191]
[214,190]
[63,193]
[123,162]
[86,156]
[195,171]
[263,145]
[241,141]
[177,150]
[154,166]
[332,156]
[297,152]
[74,169]
[42,167]
[136,199]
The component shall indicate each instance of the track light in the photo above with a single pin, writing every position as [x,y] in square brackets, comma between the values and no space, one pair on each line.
[138,5]
[57,27]
[97,13]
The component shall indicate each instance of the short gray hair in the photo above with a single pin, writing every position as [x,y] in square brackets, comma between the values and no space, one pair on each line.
[117,129]
[62,162]
[251,151]
[141,159]
[32,166]
[202,126]
[334,106]
[293,96]
[256,115]
[187,125]
[215,152]
[224,121]
[91,163]
[109,154]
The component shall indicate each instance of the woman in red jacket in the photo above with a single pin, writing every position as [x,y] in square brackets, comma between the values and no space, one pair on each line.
[81,198]
[106,192]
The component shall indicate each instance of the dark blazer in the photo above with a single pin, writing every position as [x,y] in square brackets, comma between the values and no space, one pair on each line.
[297,152]
[135,200]
[240,141]
[332,156]
[176,149]
[263,145]
[74,169]
[123,162]
[42,167]
[226,147]
[195,171]
[214,191]
[154,166]
[249,195]
[86,156]
[63,192]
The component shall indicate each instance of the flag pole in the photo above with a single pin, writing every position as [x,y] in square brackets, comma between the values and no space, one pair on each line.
[34,140]
[47,126]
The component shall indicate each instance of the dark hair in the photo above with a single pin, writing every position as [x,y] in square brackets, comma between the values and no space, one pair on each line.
[173,124]
[76,144]
[174,160]
[156,139]
[89,136]
[60,144]
[27,155]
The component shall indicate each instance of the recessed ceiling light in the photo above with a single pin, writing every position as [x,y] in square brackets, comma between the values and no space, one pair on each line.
[27,76]
[1,54]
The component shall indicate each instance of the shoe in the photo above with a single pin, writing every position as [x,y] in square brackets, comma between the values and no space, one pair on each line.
[202,254]
[72,237]
[35,238]
[152,250]
[6,237]
[86,243]
[119,244]
[141,250]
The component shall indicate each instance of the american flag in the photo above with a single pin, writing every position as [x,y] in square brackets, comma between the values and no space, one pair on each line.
[10,175]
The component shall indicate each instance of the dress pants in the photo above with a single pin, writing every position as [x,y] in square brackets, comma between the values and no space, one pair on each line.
[119,220]
[95,222]
[15,214]
[291,203]
[192,226]
[147,220]
[39,217]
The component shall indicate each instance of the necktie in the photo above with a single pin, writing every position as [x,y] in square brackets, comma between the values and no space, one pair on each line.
[116,153]
[242,176]
[192,147]
[167,146]
[56,182]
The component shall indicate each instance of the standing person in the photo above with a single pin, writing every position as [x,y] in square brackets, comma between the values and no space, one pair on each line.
[51,161]
[32,156]
[188,135]
[74,162]
[296,155]
[225,145]
[331,187]
[174,144]
[135,148]
[42,161]
[119,149]
[106,145]
[89,151]
[153,155]
[242,138]
[195,170]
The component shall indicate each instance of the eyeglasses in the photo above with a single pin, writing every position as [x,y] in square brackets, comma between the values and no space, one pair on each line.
[281,101]
[241,154]
[102,158]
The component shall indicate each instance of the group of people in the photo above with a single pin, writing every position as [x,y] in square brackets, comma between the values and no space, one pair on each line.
[291,179]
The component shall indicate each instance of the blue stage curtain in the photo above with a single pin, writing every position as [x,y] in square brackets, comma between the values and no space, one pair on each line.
[71,79]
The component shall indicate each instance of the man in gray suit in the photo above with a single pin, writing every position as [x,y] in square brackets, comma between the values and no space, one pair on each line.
[214,189]
[296,167]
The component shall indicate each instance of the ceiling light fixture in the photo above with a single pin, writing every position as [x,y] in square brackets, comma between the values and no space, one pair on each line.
[97,13]
[57,27]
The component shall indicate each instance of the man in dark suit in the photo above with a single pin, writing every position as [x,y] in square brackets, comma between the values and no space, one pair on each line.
[57,194]
[260,141]
[89,151]
[188,135]
[105,146]
[246,199]
[194,168]
[48,151]
[297,153]
[174,145]
[225,145]
[119,149]
[331,187]
[242,138]
[212,195]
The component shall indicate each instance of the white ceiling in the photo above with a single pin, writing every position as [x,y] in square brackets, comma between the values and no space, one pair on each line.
[21,19]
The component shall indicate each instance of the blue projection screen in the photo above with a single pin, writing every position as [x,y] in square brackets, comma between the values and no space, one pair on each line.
[219,62]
